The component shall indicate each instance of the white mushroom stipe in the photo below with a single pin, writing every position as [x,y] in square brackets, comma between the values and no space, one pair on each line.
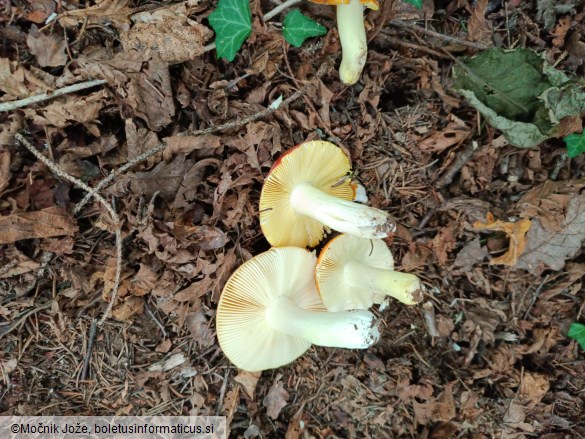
[341,215]
[349,329]
[354,44]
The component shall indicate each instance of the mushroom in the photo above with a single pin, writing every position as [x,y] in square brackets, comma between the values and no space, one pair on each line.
[355,273]
[270,313]
[307,191]
[352,35]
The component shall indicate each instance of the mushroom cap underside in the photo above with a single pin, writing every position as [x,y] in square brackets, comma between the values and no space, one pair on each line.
[242,331]
[320,163]
[337,294]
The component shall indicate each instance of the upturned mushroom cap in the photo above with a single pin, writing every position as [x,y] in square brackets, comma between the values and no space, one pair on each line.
[322,164]
[355,273]
[270,313]
[242,330]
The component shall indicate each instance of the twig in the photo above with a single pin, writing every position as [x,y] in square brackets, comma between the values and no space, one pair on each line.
[114,216]
[271,14]
[13,105]
[229,125]
[86,360]
[430,33]
[456,166]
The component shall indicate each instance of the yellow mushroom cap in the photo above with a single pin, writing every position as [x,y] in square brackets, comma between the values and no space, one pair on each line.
[365,286]
[319,163]
[242,330]
[372,4]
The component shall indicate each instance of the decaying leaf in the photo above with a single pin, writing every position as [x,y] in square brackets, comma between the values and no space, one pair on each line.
[528,105]
[276,399]
[169,33]
[516,232]
[105,12]
[4,169]
[48,48]
[248,381]
[52,221]
[551,248]
[453,134]
[480,29]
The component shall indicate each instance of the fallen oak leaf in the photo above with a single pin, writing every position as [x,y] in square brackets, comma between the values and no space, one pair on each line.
[552,248]
[46,223]
[49,49]
[276,399]
[515,231]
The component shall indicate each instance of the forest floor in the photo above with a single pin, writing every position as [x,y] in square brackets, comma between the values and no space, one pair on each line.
[487,356]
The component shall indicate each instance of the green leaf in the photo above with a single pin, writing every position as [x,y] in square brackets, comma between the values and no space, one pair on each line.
[519,93]
[416,3]
[577,332]
[232,23]
[575,144]
[297,28]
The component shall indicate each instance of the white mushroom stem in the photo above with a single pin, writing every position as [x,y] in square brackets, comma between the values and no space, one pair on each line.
[354,45]
[404,287]
[341,215]
[347,329]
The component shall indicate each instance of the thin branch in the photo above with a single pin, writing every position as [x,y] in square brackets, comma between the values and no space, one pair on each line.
[13,105]
[407,25]
[87,359]
[462,158]
[229,125]
[114,216]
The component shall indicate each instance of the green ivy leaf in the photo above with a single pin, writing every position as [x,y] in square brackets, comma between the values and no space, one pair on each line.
[297,28]
[232,23]
[575,144]
[577,332]
[415,3]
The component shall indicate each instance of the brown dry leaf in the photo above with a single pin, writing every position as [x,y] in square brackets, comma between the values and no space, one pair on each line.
[185,144]
[187,192]
[39,10]
[16,264]
[139,139]
[548,202]
[516,232]
[4,169]
[560,31]
[453,134]
[248,381]
[443,409]
[533,388]
[167,32]
[194,291]
[198,325]
[141,79]
[49,49]
[553,248]
[144,281]
[443,242]
[67,111]
[205,237]
[276,399]
[472,253]
[479,29]
[17,82]
[164,178]
[52,221]
[296,426]
[129,307]
[105,12]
